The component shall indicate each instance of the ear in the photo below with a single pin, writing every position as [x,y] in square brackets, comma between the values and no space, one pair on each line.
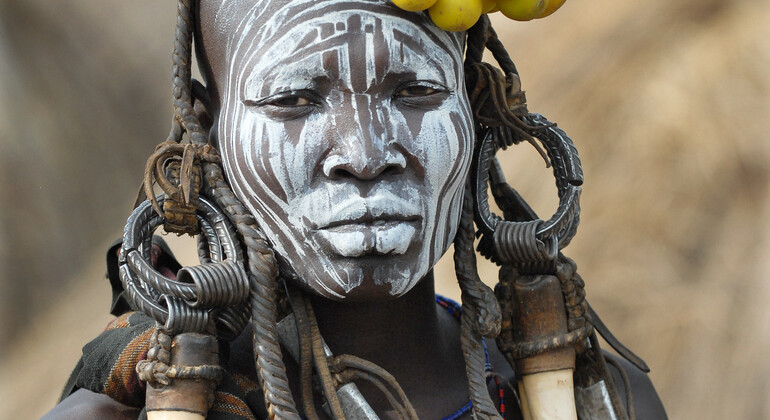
[202,104]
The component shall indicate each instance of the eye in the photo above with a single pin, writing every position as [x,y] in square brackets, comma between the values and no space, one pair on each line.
[286,105]
[420,94]
[294,98]
[416,90]
[290,101]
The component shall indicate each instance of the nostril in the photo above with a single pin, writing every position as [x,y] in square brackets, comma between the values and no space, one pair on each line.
[363,166]
[392,170]
[368,172]
[341,173]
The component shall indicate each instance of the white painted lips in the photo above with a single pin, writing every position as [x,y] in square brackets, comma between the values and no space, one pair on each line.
[384,224]
[358,240]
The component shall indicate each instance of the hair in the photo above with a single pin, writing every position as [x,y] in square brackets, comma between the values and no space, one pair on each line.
[498,107]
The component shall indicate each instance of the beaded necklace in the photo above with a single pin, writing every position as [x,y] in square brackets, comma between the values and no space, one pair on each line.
[456,310]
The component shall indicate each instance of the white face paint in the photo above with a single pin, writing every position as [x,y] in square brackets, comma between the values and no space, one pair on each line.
[346,130]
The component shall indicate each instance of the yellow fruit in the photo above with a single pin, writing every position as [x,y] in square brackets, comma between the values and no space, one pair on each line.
[414,5]
[488,6]
[522,9]
[455,15]
[553,5]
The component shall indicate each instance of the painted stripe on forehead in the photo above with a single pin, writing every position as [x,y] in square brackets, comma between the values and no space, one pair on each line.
[338,52]
[348,21]
[273,23]
[295,12]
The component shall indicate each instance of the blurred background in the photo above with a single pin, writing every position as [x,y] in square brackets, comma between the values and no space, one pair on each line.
[667,101]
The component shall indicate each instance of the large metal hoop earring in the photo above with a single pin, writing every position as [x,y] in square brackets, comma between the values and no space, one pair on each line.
[522,238]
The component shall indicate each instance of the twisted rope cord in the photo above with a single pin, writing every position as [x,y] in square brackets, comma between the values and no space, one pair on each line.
[482,308]
[262,268]
[328,386]
[185,120]
[263,273]
[496,47]
[573,289]
[481,312]
[154,369]
[184,113]
[305,351]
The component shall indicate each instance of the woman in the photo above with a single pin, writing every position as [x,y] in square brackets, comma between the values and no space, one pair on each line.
[345,127]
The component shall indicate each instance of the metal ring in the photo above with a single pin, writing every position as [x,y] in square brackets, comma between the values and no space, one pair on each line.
[181,305]
[209,248]
[561,227]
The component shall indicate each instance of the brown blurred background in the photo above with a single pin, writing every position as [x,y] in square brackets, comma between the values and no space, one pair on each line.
[667,101]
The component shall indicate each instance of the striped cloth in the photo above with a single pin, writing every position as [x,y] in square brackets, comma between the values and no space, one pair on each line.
[108,367]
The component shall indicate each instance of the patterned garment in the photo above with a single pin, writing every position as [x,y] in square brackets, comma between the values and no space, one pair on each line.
[106,369]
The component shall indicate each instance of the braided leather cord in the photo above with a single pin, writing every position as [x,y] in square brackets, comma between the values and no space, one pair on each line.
[263,274]
[481,313]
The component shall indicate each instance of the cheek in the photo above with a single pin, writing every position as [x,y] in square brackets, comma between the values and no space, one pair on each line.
[252,159]
[445,143]
[271,158]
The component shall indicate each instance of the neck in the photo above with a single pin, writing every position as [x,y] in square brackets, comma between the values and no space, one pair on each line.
[411,337]
[366,327]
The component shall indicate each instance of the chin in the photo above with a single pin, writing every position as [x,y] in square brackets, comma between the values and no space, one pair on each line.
[361,280]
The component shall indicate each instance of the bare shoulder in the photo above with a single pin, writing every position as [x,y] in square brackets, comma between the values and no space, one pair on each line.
[84,404]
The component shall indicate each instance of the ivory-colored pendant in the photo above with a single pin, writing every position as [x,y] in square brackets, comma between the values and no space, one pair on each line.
[173,415]
[524,403]
[549,395]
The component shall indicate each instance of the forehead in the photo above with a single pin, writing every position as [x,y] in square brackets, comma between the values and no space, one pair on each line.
[357,50]
[270,35]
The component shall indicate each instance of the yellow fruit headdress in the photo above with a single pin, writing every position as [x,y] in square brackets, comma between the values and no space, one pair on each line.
[460,15]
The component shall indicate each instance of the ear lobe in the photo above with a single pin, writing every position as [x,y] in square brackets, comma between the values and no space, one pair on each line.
[202,104]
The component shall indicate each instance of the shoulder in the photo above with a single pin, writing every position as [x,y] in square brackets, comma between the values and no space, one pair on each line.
[85,404]
[645,399]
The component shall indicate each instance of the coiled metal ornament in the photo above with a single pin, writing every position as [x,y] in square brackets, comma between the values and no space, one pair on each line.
[529,241]
[210,298]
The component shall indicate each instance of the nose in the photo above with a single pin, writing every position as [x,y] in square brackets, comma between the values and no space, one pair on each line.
[363,146]
[363,160]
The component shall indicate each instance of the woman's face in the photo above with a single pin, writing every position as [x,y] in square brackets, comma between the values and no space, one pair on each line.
[345,128]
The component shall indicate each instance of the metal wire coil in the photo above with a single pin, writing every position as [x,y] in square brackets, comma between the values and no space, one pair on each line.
[214,293]
[517,243]
[219,284]
[183,318]
[545,237]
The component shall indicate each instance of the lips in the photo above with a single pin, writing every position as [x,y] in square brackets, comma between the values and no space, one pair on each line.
[325,212]
[369,220]
[378,237]
[350,225]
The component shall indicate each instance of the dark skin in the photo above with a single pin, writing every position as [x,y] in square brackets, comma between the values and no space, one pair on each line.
[424,351]
[348,140]
[426,360]
[410,336]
